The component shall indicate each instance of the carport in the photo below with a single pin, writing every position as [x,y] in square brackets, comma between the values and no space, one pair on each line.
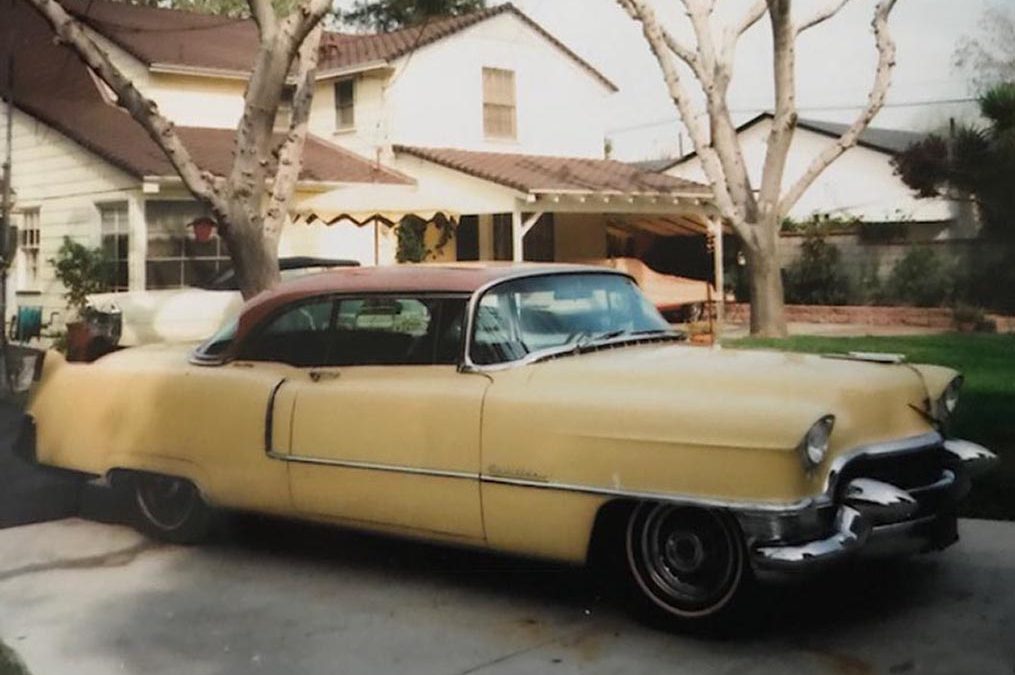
[509,195]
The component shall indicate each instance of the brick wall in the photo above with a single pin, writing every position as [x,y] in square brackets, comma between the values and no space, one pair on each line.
[928,317]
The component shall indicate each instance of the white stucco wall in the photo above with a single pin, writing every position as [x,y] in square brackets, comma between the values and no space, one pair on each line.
[66,183]
[434,97]
[861,183]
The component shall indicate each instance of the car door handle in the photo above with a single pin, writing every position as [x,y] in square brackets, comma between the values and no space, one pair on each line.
[319,375]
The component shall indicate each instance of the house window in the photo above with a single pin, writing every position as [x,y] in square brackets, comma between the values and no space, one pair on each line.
[28,249]
[175,258]
[499,103]
[115,229]
[345,104]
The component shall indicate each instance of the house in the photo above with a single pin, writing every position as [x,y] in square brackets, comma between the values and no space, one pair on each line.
[860,187]
[488,107]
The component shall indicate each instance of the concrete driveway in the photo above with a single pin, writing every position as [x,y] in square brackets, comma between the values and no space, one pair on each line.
[277,597]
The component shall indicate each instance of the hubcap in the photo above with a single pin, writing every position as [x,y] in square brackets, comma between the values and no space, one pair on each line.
[688,561]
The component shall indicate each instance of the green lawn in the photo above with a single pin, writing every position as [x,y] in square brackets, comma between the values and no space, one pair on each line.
[986,412]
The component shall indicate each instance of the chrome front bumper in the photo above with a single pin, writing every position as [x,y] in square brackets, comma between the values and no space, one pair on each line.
[871,516]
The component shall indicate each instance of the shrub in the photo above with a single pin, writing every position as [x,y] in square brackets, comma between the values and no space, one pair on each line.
[968,316]
[989,277]
[817,276]
[82,271]
[921,278]
[411,233]
[865,288]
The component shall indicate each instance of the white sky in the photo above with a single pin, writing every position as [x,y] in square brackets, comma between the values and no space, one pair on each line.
[835,64]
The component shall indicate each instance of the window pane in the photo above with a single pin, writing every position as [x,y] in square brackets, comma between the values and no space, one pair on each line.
[345,93]
[164,274]
[171,241]
[300,336]
[199,272]
[499,103]
[385,331]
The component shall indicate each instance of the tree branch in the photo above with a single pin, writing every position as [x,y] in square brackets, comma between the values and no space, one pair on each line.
[682,51]
[715,76]
[784,117]
[875,101]
[264,16]
[752,17]
[290,154]
[203,184]
[303,19]
[822,15]
[640,11]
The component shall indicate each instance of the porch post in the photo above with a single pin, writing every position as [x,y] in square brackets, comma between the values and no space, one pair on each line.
[715,230]
[517,236]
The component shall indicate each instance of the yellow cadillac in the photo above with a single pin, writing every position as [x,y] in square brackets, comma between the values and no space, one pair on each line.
[541,410]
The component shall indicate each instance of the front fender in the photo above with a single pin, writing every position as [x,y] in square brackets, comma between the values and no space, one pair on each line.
[935,378]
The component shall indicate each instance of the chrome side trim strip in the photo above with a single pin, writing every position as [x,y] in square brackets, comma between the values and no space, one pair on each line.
[372,466]
[654,496]
[547,485]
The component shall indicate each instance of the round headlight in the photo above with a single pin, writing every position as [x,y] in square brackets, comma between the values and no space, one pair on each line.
[815,443]
[950,397]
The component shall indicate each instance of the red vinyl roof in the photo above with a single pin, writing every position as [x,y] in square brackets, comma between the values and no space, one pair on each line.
[464,278]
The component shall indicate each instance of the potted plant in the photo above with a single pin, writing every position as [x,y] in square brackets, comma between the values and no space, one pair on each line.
[82,271]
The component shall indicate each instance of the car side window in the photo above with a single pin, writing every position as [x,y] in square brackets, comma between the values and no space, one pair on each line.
[366,331]
[299,336]
[385,330]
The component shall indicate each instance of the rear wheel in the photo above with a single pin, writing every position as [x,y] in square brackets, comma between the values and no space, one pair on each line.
[170,508]
[685,565]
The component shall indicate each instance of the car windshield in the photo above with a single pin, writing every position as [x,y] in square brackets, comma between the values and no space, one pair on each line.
[535,314]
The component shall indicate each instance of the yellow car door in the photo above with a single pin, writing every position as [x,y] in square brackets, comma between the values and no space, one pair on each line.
[384,430]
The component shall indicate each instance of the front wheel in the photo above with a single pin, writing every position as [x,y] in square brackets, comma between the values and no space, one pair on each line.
[688,565]
[170,508]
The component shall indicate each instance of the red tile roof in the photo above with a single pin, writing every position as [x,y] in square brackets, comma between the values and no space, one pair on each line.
[346,50]
[213,42]
[536,173]
[54,86]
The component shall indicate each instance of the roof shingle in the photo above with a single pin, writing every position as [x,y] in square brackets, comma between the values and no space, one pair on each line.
[537,173]
[213,42]
[55,87]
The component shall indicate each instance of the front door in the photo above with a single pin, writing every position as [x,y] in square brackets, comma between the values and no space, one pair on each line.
[387,430]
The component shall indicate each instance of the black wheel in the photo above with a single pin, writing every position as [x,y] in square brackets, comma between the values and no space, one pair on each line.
[687,565]
[170,508]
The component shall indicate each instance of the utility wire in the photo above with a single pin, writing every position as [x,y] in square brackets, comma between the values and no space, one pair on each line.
[817,108]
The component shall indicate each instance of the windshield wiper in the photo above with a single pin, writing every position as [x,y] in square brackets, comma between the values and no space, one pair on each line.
[587,339]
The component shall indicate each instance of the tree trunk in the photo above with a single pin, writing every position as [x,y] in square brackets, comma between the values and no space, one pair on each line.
[255,258]
[768,317]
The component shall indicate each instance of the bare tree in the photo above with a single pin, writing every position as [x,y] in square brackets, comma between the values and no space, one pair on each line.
[989,58]
[251,202]
[754,212]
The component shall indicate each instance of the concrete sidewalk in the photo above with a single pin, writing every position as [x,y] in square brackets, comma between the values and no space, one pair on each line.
[279,597]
